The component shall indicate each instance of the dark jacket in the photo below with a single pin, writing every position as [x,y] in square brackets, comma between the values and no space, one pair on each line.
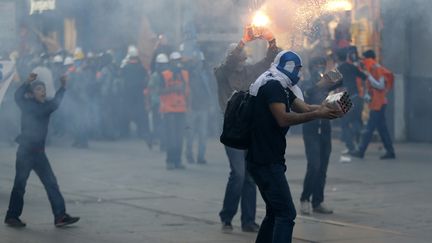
[35,117]
[135,80]
[229,77]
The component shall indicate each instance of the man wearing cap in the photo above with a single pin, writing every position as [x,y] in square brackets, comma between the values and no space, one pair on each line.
[235,74]
[276,93]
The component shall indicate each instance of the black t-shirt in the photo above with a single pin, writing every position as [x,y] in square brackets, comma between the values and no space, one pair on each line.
[350,74]
[268,138]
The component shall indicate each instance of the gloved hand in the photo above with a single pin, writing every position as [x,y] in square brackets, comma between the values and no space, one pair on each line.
[248,34]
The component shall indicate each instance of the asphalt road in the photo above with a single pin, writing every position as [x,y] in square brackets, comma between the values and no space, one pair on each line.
[123,193]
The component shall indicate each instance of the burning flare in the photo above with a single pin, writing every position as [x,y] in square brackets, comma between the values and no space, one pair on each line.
[338,5]
[260,19]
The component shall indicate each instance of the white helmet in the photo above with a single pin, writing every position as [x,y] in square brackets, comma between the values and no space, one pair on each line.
[58,59]
[132,51]
[162,58]
[68,61]
[175,55]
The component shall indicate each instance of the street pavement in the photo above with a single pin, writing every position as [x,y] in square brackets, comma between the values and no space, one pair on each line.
[123,193]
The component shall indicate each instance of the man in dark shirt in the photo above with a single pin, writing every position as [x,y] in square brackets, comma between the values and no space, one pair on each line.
[36,112]
[276,94]
[317,142]
[353,81]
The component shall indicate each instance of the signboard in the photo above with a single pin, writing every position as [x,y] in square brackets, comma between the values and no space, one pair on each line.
[7,73]
[41,5]
[7,25]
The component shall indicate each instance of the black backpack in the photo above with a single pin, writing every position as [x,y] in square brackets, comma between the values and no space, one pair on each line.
[237,125]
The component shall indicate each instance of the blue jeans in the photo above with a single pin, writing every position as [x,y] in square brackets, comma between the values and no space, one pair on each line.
[278,223]
[197,123]
[27,160]
[376,121]
[317,141]
[240,186]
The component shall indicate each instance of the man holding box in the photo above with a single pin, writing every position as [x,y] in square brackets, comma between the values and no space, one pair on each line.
[276,95]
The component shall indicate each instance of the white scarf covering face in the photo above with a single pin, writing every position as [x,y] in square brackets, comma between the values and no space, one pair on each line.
[274,74]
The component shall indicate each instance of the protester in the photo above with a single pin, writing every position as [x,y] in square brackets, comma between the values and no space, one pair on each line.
[317,142]
[353,78]
[235,74]
[379,83]
[276,94]
[36,111]
[199,103]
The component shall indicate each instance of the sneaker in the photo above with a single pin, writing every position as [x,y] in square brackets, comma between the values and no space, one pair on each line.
[305,207]
[227,227]
[66,220]
[180,167]
[357,154]
[251,228]
[388,156]
[201,161]
[344,159]
[323,209]
[15,222]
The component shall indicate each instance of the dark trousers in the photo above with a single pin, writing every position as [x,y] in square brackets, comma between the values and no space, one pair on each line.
[174,128]
[278,223]
[352,124]
[377,121]
[240,186]
[317,141]
[28,160]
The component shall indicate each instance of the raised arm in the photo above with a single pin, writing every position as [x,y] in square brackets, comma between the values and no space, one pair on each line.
[55,102]
[20,93]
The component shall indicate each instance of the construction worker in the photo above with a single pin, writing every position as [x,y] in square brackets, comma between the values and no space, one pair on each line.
[173,107]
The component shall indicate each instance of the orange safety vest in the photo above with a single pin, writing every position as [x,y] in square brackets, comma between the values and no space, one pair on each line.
[379,97]
[174,101]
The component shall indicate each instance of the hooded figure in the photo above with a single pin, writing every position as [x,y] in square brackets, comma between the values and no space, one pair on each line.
[285,69]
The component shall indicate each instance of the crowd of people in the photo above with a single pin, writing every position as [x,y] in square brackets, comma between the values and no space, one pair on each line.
[274,82]
[111,98]
[168,103]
